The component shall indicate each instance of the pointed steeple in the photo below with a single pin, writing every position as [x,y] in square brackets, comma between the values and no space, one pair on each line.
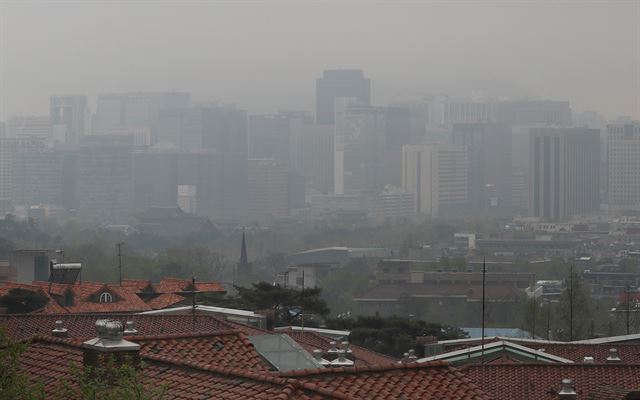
[244,266]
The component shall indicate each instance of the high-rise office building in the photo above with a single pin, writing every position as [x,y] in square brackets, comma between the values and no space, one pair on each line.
[564,172]
[28,125]
[224,129]
[31,173]
[269,137]
[105,178]
[71,115]
[437,175]
[534,112]
[116,110]
[311,153]
[489,147]
[218,180]
[340,83]
[360,146]
[268,190]
[623,158]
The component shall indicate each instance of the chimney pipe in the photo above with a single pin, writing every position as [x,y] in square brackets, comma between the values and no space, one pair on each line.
[588,360]
[130,328]
[59,330]
[566,391]
[613,356]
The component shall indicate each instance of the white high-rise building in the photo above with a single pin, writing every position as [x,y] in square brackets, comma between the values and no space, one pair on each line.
[623,158]
[437,175]
[187,198]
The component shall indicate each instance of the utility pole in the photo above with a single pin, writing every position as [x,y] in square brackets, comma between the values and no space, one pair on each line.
[535,306]
[119,244]
[484,274]
[626,295]
[571,303]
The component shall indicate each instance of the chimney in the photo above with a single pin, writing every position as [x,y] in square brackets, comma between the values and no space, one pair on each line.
[613,356]
[411,356]
[59,330]
[333,348]
[109,349]
[566,392]
[345,346]
[130,328]
[588,360]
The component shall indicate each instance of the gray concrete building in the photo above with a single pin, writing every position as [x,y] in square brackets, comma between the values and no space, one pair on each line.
[339,83]
[564,172]
[623,159]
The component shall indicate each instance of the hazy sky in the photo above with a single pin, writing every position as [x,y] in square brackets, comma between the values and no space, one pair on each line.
[265,56]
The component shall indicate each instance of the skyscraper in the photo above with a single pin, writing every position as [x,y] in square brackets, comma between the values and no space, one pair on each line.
[489,147]
[623,158]
[340,83]
[105,178]
[268,190]
[71,114]
[564,172]
[437,175]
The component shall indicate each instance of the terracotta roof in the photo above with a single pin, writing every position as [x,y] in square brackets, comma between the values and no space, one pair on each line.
[24,326]
[312,340]
[629,353]
[51,307]
[399,381]
[175,285]
[50,361]
[225,349]
[126,297]
[165,300]
[543,381]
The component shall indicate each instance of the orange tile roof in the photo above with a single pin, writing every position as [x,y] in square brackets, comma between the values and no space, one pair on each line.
[50,361]
[226,349]
[165,300]
[175,285]
[543,381]
[24,326]
[435,380]
[313,340]
[51,307]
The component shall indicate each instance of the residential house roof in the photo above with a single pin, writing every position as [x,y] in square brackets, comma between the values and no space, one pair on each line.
[543,381]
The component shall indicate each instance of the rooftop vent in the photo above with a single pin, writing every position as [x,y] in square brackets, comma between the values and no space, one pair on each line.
[588,360]
[130,328]
[342,360]
[317,354]
[109,348]
[59,330]
[613,356]
[334,348]
[345,346]
[566,391]
[411,357]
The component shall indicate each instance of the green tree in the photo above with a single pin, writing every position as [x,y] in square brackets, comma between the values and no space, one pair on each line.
[15,385]
[18,301]
[110,382]
[574,313]
[394,335]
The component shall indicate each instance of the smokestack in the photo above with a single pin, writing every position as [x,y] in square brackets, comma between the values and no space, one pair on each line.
[567,392]
[59,330]
[109,349]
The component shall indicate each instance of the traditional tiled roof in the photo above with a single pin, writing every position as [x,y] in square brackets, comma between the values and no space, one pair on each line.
[176,285]
[131,296]
[543,381]
[312,340]
[225,349]
[51,307]
[165,300]
[24,326]
[399,381]
[50,361]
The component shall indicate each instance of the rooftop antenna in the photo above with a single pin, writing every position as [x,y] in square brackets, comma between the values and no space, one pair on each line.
[119,244]
[484,274]
[571,303]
